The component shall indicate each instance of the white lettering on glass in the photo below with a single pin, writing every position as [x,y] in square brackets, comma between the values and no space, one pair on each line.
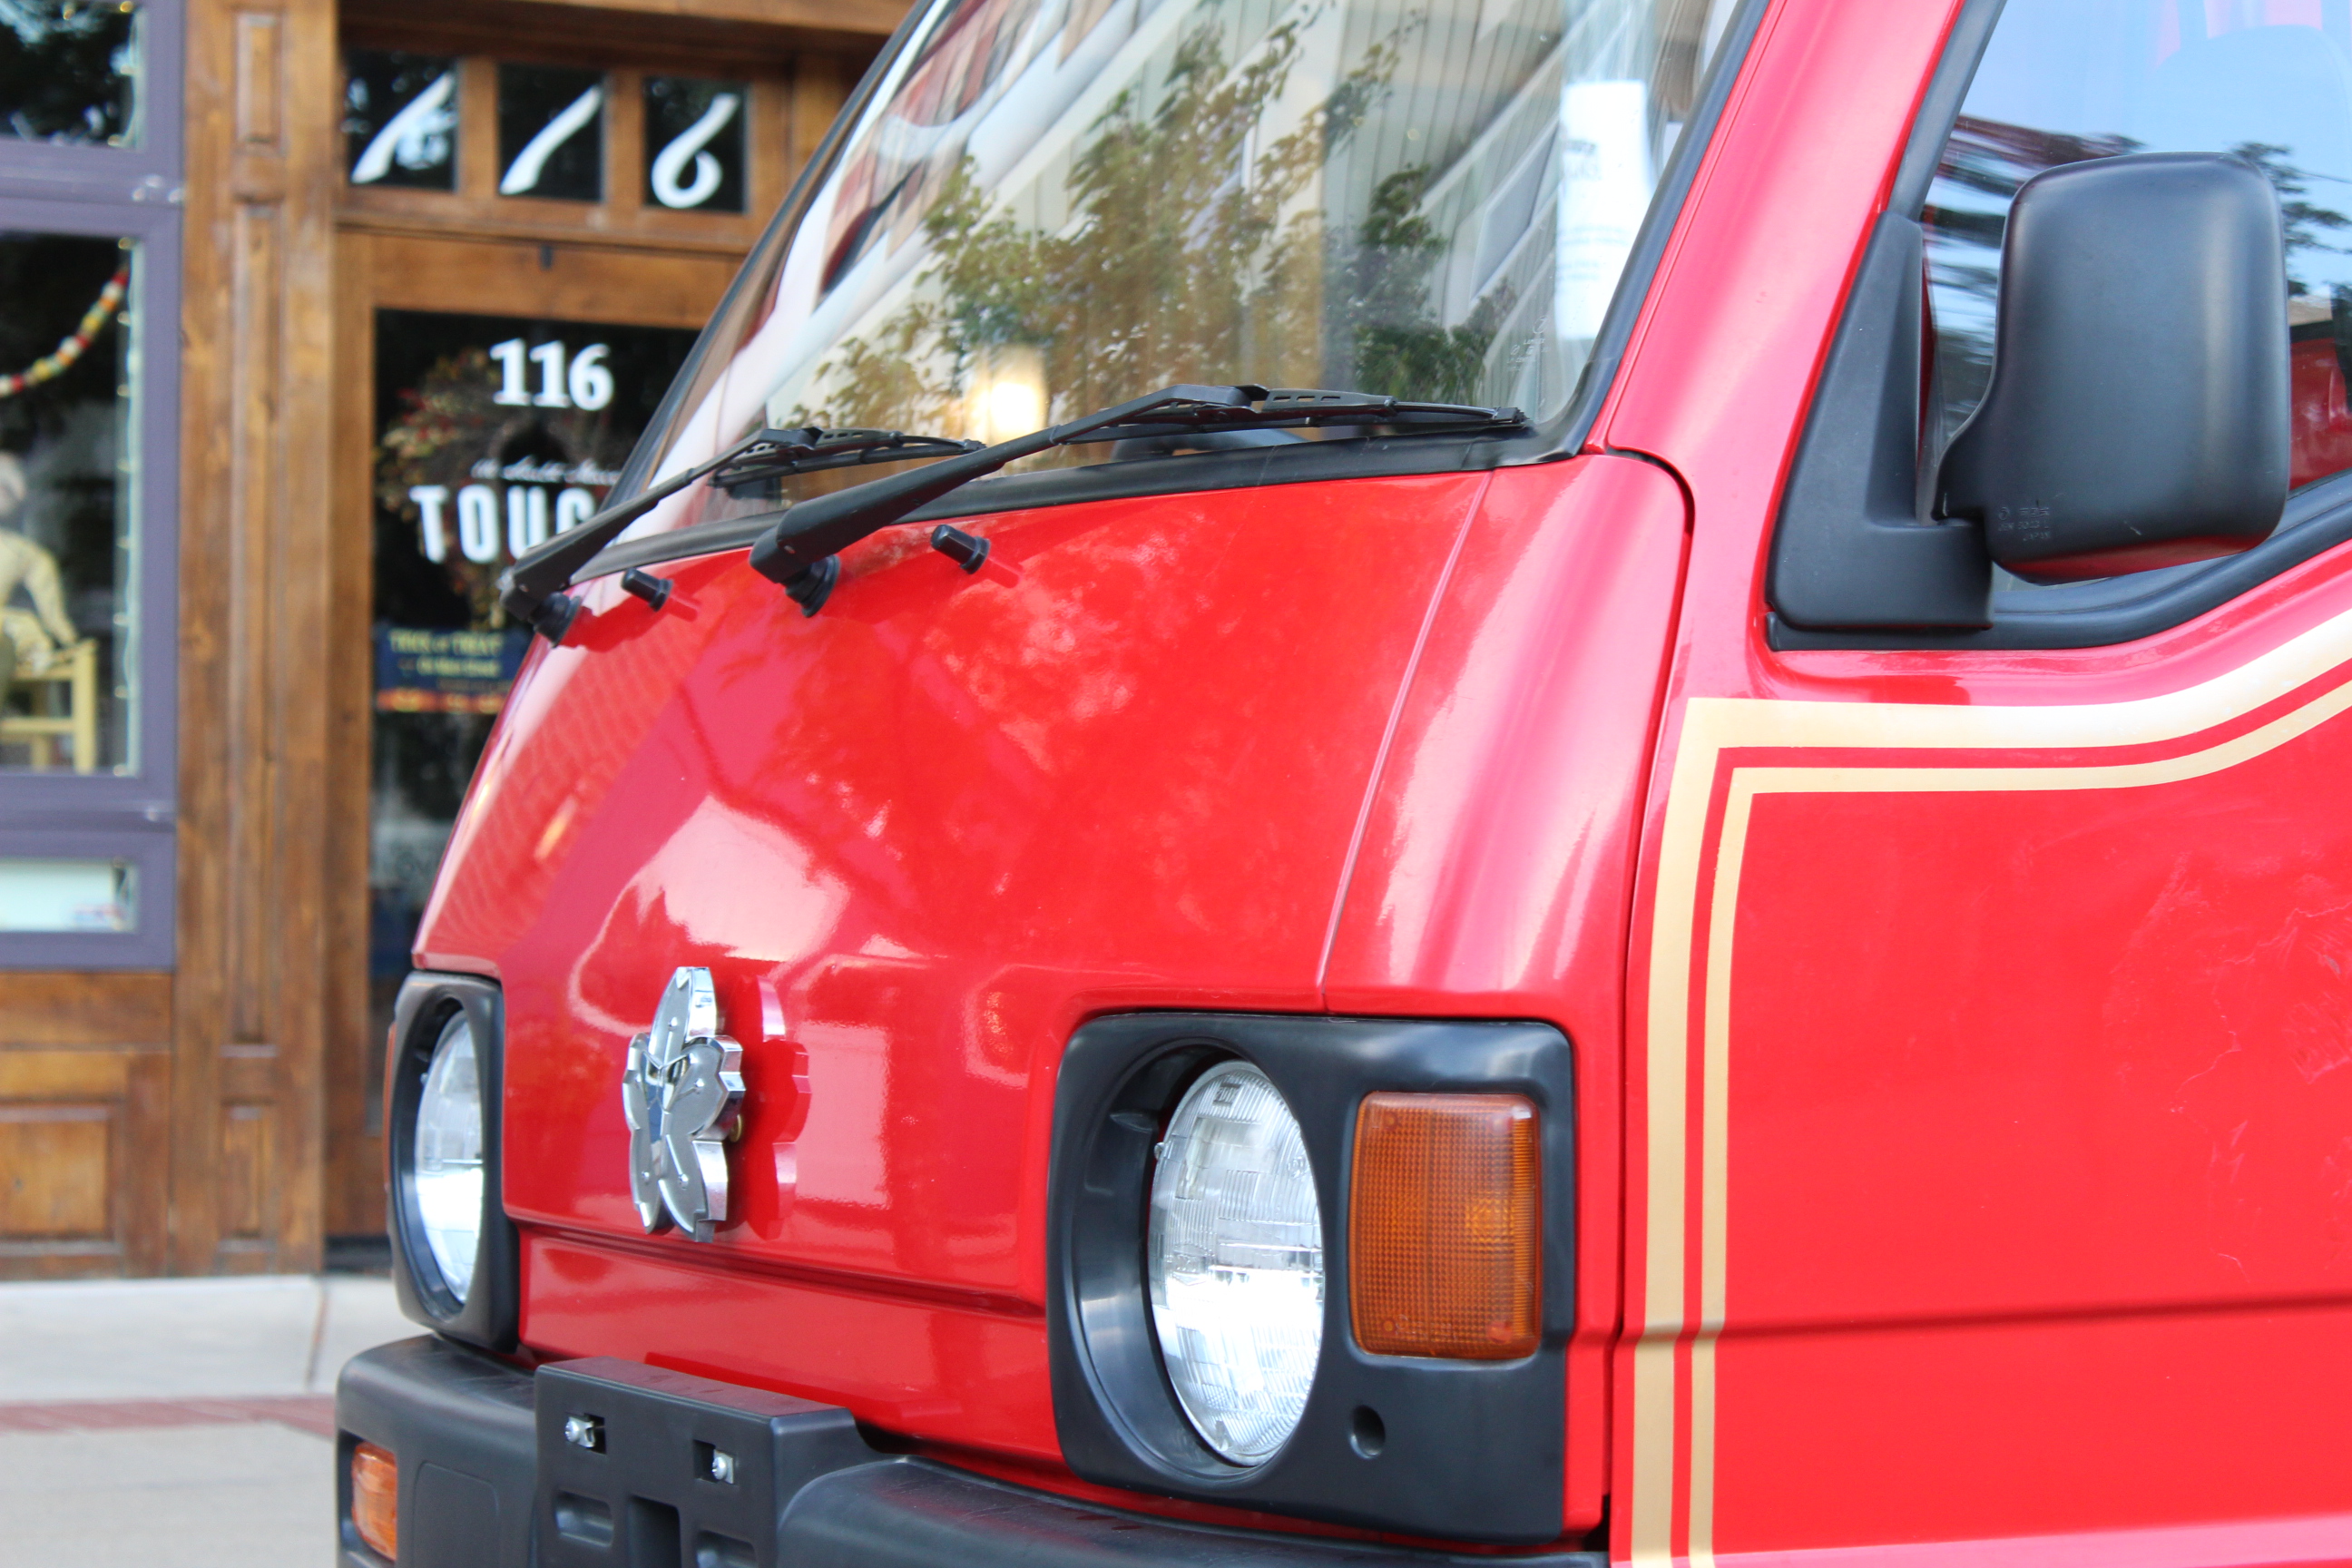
[549,357]
[416,138]
[689,148]
[526,517]
[434,535]
[523,173]
[511,391]
[590,381]
[477,523]
[573,506]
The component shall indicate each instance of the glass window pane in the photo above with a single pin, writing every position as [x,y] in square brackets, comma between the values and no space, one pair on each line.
[1047,209]
[400,120]
[492,432]
[68,494]
[552,132]
[69,71]
[694,143]
[67,895]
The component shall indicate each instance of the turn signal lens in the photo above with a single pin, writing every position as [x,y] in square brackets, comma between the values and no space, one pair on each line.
[375,1500]
[1446,1226]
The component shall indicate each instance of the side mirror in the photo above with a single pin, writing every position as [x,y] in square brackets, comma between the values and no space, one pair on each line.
[2138,411]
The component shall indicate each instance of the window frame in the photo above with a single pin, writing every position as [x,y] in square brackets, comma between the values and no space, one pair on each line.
[132,193]
[148,171]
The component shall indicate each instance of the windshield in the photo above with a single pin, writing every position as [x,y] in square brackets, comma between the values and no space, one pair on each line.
[1049,207]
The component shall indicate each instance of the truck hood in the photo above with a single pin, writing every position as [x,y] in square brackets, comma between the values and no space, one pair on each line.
[917,839]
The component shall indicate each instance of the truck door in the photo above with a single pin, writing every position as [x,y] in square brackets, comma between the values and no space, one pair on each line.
[1993,984]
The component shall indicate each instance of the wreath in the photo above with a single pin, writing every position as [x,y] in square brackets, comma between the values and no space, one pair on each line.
[50,366]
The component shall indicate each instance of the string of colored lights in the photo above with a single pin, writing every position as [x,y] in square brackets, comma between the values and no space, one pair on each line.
[49,366]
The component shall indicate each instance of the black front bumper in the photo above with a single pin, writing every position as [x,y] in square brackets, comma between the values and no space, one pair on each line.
[490,1479]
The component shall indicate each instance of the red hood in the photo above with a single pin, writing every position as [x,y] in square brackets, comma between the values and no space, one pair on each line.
[918,839]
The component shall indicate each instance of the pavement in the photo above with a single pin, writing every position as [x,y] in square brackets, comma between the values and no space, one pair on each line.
[177,1422]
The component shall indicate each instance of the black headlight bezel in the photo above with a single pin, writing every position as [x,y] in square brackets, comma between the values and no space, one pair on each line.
[1469,1450]
[490,1314]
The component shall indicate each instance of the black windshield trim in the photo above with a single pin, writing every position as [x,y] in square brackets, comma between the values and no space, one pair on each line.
[1132,479]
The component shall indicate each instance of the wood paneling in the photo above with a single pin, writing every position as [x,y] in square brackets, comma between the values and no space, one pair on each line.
[81,1190]
[355,1172]
[704,38]
[56,1172]
[575,282]
[264,161]
[245,1167]
[104,1010]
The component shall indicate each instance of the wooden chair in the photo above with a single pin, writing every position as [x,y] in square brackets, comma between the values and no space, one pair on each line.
[73,679]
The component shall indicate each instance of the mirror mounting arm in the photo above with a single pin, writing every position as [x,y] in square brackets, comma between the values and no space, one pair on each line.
[1852,549]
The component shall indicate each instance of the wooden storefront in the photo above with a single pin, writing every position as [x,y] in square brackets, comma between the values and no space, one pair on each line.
[186,1074]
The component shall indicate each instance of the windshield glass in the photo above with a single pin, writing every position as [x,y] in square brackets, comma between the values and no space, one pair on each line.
[1049,207]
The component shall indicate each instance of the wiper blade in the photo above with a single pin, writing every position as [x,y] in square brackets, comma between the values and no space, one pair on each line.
[531,590]
[799,551]
[806,450]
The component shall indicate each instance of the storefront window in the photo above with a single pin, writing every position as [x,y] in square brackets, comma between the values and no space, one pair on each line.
[68,481]
[493,434]
[89,370]
[70,72]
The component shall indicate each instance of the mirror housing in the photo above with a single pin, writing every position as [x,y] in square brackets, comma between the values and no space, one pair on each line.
[2137,415]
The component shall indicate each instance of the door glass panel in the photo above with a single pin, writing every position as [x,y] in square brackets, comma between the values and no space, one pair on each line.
[493,434]
[552,132]
[694,143]
[400,119]
[2067,80]
[67,498]
[69,72]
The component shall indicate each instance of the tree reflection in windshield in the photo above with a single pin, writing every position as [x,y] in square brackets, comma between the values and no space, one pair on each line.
[1189,256]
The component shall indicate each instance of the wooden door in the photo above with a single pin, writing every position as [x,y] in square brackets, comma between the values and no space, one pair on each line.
[493,279]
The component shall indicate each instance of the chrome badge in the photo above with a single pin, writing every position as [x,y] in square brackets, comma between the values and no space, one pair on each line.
[682,1092]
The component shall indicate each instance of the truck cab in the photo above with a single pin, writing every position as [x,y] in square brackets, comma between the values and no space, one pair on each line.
[1368,780]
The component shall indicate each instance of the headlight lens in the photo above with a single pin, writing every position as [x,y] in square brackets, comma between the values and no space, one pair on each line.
[448,1169]
[1236,1262]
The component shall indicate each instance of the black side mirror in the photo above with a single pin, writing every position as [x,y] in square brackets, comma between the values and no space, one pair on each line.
[2138,411]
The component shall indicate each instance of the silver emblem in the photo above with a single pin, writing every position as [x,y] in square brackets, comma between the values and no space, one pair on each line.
[682,1092]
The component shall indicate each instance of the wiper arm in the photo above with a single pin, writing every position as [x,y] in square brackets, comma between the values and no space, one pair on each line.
[531,590]
[799,551]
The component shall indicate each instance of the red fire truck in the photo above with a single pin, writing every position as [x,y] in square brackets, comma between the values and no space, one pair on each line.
[1375,781]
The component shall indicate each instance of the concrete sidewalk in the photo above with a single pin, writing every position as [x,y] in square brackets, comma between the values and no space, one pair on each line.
[187,1422]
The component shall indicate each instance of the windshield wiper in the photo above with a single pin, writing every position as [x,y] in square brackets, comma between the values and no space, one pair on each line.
[799,551]
[531,590]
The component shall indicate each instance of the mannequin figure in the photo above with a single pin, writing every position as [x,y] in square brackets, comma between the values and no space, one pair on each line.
[28,638]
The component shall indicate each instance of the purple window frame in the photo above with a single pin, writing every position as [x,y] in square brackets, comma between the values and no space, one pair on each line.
[130,193]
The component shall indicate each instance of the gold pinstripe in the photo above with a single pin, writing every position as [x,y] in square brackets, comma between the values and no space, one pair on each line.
[1713,725]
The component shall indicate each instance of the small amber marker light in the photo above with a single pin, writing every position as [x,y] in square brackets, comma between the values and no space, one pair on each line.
[375,1500]
[1445,1226]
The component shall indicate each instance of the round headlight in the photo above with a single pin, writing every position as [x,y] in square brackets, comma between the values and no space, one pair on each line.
[448,1168]
[1236,1262]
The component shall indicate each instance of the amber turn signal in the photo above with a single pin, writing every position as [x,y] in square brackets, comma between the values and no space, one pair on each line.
[1446,1226]
[375,1500]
